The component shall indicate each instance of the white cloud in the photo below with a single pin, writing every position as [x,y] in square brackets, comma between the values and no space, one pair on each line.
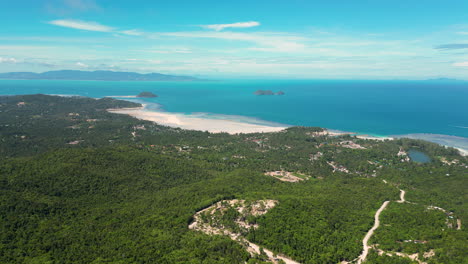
[94,26]
[168,50]
[155,61]
[462,33]
[8,60]
[461,64]
[81,65]
[132,32]
[277,42]
[281,46]
[219,27]
[83,25]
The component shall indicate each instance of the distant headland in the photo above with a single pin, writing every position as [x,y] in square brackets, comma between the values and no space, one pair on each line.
[95,76]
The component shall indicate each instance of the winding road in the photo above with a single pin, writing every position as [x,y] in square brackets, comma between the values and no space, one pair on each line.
[365,247]
[402,197]
[272,256]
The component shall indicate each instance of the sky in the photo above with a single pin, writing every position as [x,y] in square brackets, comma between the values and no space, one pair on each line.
[305,39]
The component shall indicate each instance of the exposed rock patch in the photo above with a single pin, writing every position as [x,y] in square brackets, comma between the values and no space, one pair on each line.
[287,176]
[209,221]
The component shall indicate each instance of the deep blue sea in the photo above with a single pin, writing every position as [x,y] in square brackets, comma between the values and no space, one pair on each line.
[368,107]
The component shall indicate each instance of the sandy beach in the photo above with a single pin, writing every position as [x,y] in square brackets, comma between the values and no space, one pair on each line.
[463,152]
[335,133]
[374,138]
[192,122]
[232,126]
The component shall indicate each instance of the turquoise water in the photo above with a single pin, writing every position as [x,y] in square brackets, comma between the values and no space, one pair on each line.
[369,107]
[418,156]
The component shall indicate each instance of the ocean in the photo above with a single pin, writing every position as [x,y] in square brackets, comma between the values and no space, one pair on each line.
[379,108]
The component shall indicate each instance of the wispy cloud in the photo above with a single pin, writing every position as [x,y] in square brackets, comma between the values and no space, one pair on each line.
[81,65]
[8,60]
[266,42]
[162,49]
[461,64]
[132,32]
[452,46]
[280,42]
[281,46]
[83,25]
[219,27]
[93,26]
[221,48]
[170,51]
[26,62]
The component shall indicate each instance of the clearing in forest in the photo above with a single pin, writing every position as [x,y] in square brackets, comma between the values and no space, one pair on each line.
[231,218]
[287,176]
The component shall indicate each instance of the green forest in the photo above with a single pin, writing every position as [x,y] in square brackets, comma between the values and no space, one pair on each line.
[79,184]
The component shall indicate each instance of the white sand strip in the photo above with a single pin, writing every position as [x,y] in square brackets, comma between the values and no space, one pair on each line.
[196,123]
[463,152]
[374,138]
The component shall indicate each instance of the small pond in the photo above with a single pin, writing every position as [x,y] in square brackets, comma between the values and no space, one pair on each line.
[418,156]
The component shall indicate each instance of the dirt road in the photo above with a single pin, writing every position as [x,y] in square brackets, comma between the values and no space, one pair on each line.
[402,197]
[365,247]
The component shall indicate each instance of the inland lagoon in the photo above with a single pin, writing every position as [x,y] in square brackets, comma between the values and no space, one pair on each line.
[418,156]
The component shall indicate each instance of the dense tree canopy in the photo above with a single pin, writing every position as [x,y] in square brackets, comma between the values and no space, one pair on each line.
[81,185]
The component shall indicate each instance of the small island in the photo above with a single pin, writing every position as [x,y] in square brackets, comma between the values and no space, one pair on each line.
[268,92]
[146,95]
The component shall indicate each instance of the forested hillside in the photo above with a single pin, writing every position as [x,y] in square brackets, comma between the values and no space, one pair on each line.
[81,185]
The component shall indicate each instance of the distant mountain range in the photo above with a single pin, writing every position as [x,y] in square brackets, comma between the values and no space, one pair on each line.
[94,76]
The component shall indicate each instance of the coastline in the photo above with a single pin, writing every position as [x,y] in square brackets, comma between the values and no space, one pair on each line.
[463,152]
[220,124]
[232,125]
[459,143]
[196,122]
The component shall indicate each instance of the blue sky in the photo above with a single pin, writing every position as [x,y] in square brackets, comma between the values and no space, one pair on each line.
[334,39]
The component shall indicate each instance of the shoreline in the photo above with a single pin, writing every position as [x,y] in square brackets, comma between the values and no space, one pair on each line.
[226,124]
[463,152]
[232,126]
[194,122]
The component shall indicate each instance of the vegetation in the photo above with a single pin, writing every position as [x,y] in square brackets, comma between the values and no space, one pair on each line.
[81,185]
[147,94]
